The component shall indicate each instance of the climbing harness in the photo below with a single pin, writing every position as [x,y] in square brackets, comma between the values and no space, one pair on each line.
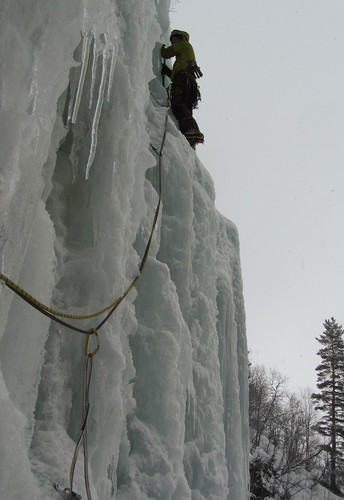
[193,90]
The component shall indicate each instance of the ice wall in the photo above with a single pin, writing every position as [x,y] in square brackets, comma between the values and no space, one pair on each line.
[81,105]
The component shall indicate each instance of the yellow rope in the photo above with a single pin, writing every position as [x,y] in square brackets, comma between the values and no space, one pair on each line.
[34,301]
[13,286]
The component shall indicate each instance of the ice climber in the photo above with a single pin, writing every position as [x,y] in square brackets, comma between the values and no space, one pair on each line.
[184,90]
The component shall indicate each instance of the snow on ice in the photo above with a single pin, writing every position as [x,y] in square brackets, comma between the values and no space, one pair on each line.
[81,103]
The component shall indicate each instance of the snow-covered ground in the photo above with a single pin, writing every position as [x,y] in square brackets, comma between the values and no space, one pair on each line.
[81,105]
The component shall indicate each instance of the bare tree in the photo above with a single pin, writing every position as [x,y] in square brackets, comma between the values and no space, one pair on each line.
[283,439]
[266,395]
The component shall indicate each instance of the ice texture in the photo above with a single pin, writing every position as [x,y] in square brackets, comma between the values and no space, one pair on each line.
[82,104]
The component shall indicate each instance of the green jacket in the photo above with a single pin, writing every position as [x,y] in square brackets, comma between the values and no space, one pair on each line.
[183,52]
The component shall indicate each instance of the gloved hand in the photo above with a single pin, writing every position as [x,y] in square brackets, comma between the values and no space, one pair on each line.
[198,73]
[195,70]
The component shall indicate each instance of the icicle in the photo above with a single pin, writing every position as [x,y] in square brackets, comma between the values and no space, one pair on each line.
[70,110]
[191,405]
[34,88]
[93,72]
[111,72]
[97,113]
[85,57]
[194,414]
[3,265]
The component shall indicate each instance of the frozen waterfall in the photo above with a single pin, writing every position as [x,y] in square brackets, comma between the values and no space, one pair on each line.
[82,104]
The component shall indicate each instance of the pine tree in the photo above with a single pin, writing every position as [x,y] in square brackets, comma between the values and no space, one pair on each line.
[330,398]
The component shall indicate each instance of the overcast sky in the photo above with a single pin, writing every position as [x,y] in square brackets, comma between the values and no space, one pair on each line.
[272,113]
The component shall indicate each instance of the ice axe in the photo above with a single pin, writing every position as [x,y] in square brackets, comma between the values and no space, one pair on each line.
[162,73]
